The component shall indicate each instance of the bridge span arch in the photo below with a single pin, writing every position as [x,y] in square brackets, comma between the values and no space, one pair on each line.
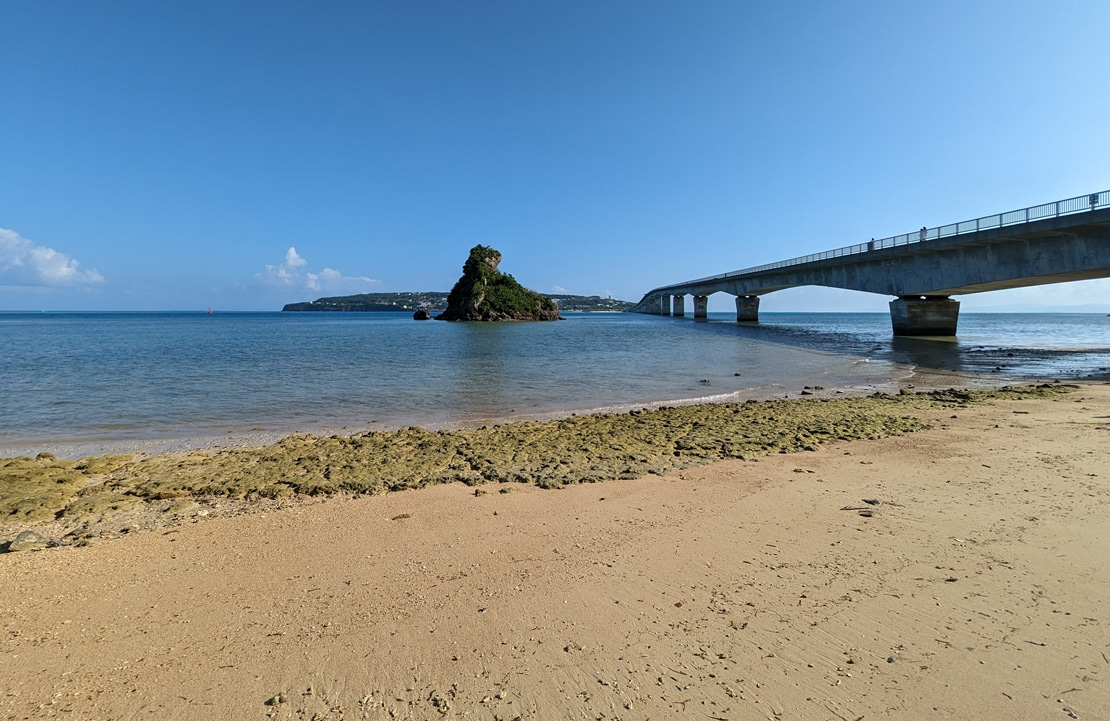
[1055,242]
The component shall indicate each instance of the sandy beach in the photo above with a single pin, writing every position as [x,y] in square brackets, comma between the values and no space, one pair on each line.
[955,571]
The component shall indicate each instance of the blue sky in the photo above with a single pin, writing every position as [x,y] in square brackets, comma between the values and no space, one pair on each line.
[242,155]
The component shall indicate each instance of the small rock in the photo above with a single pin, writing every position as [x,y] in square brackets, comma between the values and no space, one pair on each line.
[276,700]
[182,506]
[421,315]
[890,659]
[27,541]
[806,393]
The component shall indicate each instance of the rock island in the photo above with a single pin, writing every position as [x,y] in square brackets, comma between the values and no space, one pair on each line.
[485,293]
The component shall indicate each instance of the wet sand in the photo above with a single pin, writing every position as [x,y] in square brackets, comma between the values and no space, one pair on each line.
[955,571]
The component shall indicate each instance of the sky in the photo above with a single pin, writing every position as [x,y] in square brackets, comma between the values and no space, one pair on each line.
[244,155]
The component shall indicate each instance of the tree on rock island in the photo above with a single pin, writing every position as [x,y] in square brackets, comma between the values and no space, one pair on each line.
[485,293]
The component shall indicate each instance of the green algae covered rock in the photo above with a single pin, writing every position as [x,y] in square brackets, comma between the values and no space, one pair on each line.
[35,489]
[485,293]
[27,541]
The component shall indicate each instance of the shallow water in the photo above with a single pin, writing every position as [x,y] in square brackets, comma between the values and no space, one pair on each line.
[79,383]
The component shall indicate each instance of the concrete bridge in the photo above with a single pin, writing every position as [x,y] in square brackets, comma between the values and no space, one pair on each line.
[1051,243]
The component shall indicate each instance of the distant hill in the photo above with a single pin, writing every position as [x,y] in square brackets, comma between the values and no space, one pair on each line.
[376,302]
[431,300]
[589,303]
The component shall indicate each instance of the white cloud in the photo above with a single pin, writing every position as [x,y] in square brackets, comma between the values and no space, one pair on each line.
[288,274]
[22,263]
[558,289]
[292,260]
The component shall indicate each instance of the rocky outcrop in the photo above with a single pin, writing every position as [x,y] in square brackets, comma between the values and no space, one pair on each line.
[485,293]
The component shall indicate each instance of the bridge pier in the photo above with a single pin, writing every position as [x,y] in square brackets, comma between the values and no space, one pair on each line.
[924,315]
[663,307]
[747,308]
[679,306]
[701,306]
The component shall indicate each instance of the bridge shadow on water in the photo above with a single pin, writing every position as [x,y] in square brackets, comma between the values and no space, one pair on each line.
[1003,346]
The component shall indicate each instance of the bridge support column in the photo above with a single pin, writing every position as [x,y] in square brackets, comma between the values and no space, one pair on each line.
[924,315]
[747,308]
[701,306]
[679,306]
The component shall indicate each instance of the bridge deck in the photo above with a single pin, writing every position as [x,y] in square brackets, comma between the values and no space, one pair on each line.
[1056,242]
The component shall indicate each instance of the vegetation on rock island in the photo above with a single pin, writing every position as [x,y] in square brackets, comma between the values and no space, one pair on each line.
[485,293]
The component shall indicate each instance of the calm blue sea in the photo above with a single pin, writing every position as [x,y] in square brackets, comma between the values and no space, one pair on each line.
[78,383]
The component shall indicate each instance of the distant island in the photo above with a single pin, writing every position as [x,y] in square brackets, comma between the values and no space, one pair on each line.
[437,301]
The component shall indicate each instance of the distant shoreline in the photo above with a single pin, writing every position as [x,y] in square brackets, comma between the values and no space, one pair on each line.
[436,301]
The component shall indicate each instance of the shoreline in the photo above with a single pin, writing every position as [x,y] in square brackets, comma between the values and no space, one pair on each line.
[243,437]
[76,501]
[956,571]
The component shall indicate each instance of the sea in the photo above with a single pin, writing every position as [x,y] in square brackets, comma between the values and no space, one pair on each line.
[78,384]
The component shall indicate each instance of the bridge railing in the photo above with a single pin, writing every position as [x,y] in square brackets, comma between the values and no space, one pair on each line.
[1070,206]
